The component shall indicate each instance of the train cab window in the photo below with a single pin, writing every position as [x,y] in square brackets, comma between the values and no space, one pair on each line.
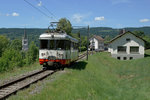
[76,46]
[60,45]
[52,45]
[43,44]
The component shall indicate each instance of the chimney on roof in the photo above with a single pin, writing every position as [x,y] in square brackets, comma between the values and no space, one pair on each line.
[122,31]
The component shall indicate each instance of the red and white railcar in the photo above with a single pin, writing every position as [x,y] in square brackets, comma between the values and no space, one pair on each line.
[57,49]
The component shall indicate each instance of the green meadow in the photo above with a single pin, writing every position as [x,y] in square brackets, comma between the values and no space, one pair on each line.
[100,78]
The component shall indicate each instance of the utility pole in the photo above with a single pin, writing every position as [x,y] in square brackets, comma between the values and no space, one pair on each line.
[92,44]
[79,41]
[80,44]
[88,41]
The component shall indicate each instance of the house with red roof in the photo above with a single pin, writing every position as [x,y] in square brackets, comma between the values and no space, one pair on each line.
[96,43]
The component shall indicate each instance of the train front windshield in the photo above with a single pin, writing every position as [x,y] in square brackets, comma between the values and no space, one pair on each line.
[55,44]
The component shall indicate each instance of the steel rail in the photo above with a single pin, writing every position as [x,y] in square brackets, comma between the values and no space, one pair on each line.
[12,86]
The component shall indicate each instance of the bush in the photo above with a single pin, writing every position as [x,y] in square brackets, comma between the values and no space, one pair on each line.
[32,54]
[83,48]
[11,55]
[11,58]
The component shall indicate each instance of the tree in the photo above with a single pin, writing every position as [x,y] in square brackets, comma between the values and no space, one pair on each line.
[78,34]
[32,53]
[64,24]
[143,36]
[10,58]
[139,33]
[16,44]
[147,43]
[107,38]
[3,44]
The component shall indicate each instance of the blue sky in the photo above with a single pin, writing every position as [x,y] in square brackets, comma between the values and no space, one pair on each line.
[96,13]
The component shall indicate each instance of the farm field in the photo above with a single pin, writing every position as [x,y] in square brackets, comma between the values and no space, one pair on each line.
[101,78]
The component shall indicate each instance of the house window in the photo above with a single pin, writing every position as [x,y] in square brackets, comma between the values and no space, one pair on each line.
[124,58]
[118,58]
[122,49]
[128,39]
[134,49]
[131,58]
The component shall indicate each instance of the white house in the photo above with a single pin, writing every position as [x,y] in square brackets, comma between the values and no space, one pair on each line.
[96,43]
[127,46]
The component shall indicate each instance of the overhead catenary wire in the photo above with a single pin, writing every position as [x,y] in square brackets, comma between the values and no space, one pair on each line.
[38,9]
[54,17]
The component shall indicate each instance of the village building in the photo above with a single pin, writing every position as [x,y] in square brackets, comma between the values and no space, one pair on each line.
[24,42]
[96,43]
[127,46]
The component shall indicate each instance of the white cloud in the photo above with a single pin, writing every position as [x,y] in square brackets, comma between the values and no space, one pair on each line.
[15,14]
[39,4]
[144,20]
[101,18]
[114,2]
[77,18]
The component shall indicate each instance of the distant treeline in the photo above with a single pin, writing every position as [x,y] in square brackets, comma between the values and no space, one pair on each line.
[33,33]
[105,31]
[13,33]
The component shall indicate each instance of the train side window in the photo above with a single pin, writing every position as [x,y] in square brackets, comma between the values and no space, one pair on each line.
[75,46]
[43,44]
[71,45]
[67,45]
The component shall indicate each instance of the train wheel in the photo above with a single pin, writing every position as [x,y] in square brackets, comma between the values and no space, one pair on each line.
[44,67]
[56,65]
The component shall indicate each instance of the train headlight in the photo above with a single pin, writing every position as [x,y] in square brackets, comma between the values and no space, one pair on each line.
[51,58]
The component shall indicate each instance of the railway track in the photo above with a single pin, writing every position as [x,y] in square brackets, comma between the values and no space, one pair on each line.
[84,54]
[12,86]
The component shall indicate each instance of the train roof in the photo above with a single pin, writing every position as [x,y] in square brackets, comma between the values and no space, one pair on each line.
[57,36]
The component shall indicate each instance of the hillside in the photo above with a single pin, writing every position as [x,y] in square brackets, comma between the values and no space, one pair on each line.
[33,33]
[102,77]
[104,31]
[12,33]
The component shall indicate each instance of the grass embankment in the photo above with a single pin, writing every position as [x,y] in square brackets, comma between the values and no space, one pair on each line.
[18,71]
[101,78]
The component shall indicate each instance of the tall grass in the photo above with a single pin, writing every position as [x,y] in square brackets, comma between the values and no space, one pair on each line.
[101,78]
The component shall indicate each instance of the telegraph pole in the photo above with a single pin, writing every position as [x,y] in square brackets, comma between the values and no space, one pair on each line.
[88,41]
[80,44]
[92,44]
[79,41]
[88,32]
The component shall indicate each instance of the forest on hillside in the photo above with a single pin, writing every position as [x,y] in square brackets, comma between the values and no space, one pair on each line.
[33,33]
